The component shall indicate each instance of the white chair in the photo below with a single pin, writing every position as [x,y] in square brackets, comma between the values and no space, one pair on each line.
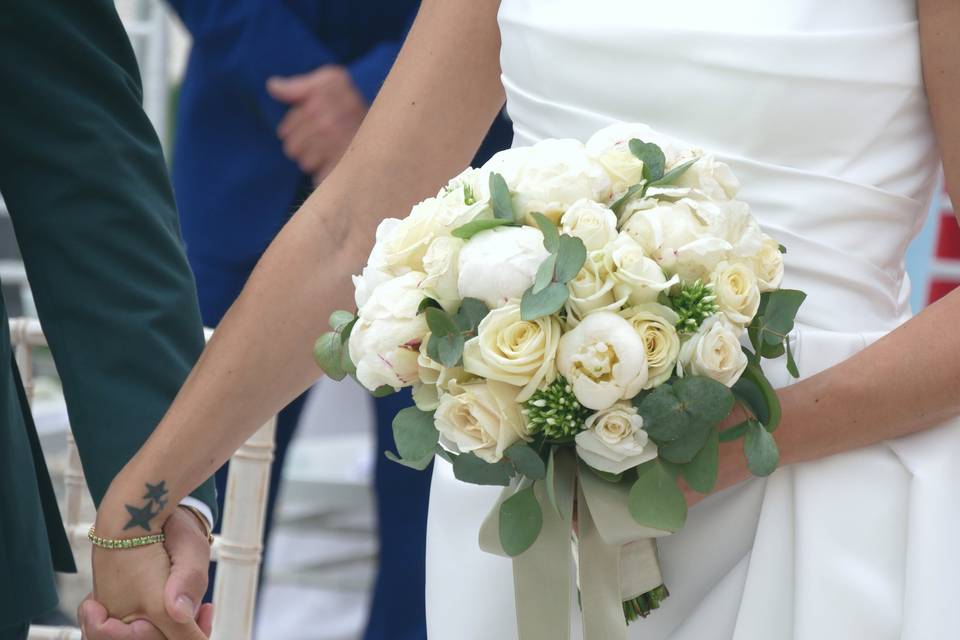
[237,550]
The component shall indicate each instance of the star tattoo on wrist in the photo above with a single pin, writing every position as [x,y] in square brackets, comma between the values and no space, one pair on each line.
[156,501]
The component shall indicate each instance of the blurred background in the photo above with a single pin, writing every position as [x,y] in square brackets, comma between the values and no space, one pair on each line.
[322,555]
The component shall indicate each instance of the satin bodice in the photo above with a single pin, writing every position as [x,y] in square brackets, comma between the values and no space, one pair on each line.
[818,107]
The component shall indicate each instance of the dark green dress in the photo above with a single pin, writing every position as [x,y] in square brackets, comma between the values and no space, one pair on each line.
[84,179]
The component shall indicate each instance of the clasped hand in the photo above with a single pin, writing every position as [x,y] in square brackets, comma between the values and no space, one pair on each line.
[152,592]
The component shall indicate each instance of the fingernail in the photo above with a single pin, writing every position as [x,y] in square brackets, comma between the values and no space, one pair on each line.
[186,606]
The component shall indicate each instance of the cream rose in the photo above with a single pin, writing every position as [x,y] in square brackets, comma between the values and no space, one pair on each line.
[480,417]
[385,341]
[519,352]
[590,221]
[614,440]
[592,290]
[441,264]
[656,326]
[767,265]
[713,351]
[737,291]
[604,360]
[636,276]
[550,176]
[500,264]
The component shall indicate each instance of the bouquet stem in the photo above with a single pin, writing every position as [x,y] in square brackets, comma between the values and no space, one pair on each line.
[642,605]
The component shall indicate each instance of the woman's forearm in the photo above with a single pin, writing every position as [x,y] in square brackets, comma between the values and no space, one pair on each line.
[431,116]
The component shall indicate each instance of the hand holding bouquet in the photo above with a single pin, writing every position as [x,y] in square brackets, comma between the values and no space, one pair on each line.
[570,318]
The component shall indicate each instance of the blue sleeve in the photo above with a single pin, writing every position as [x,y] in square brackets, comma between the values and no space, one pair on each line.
[248,41]
[370,70]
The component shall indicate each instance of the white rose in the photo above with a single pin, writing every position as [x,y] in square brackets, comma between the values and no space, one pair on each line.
[592,290]
[549,177]
[385,341]
[707,178]
[713,351]
[737,291]
[611,147]
[590,221]
[767,265]
[499,264]
[480,417]
[636,275]
[614,440]
[603,359]
[656,326]
[407,240]
[519,352]
[376,271]
[441,264]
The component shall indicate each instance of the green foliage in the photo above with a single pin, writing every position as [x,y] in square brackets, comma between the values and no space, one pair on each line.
[652,157]
[526,461]
[449,333]
[693,302]
[520,521]
[544,274]
[500,199]
[547,302]
[760,449]
[554,411]
[774,321]
[701,472]
[756,392]
[414,433]
[622,201]
[467,467]
[331,352]
[655,500]
[671,177]
[549,291]
[678,416]
[551,235]
[472,228]
[571,254]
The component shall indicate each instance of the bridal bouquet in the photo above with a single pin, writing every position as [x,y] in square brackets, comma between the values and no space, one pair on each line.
[576,322]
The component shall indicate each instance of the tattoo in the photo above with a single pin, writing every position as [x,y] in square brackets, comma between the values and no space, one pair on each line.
[141,516]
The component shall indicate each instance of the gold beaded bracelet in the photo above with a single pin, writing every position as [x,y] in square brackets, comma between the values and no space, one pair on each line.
[123,543]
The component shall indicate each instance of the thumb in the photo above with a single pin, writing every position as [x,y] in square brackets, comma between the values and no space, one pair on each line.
[188,631]
[289,89]
[189,564]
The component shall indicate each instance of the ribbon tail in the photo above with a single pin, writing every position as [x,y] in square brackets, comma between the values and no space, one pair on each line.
[640,568]
[600,596]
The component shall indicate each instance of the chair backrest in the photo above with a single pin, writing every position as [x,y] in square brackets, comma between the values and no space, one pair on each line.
[238,549]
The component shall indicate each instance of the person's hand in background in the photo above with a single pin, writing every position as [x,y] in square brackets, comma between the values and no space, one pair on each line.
[326,110]
[160,583]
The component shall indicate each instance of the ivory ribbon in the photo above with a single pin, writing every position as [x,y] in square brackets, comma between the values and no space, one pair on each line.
[616,557]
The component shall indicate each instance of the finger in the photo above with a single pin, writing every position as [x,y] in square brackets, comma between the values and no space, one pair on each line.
[205,619]
[176,631]
[189,565]
[289,89]
[144,630]
[296,118]
[90,613]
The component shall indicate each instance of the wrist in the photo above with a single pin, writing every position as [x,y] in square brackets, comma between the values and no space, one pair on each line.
[133,508]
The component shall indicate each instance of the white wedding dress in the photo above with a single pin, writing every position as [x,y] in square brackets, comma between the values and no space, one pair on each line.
[819,108]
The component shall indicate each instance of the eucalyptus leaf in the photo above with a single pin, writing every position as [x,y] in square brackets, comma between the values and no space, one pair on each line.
[760,449]
[526,461]
[782,249]
[791,363]
[545,273]
[551,236]
[383,391]
[754,389]
[414,433]
[520,521]
[670,177]
[544,303]
[326,352]
[652,157]
[571,255]
[419,465]
[440,323]
[347,329]
[428,303]
[471,313]
[340,319]
[736,431]
[655,500]
[685,448]
[500,198]
[449,348]
[467,467]
[701,472]
[776,319]
[690,404]
[472,228]
[622,201]
[346,362]
[612,478]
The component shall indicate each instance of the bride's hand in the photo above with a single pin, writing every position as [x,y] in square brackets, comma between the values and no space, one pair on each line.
[732,465]
[161,583]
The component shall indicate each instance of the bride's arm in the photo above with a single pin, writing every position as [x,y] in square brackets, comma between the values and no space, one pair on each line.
[910,379]
[429,119]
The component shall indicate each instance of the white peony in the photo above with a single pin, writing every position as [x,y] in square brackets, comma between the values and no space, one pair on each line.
[604,360]
[636,276]
[519,352]
[376,271]
[592,290]
[737,292]
[767,265]
[656,326]
[614,440]
[611,147]
[441,264]
[480,417]
[385,341]
[705,179]
[590,221]
[713,351]
[549,177]
[500,264]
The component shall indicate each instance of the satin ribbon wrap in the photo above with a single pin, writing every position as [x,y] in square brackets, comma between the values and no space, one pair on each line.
[616,557]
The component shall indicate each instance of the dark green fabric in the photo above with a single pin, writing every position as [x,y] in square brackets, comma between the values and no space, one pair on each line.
[16,632]
[86,185]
